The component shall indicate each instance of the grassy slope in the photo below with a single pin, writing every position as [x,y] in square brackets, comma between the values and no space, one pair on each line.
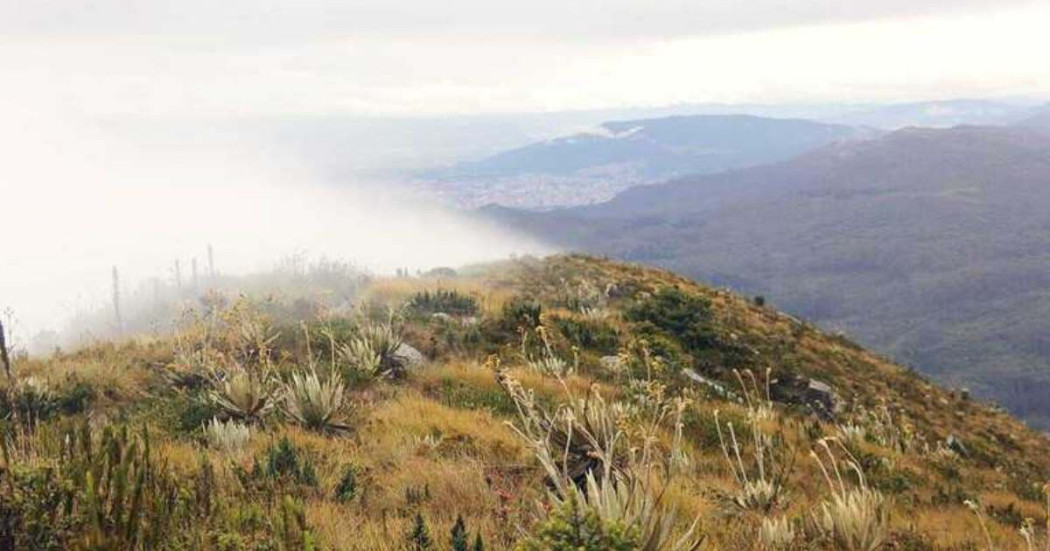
[438,442]
[927,245]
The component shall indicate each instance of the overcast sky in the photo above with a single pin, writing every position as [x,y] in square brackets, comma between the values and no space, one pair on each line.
[77,199]
[261,57]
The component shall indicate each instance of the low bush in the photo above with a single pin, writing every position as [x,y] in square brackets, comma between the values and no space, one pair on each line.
[444,301]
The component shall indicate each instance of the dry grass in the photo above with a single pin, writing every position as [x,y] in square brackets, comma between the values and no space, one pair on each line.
[417,449]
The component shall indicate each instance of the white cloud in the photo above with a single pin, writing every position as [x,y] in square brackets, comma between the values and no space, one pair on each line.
[276,20]
[218,75]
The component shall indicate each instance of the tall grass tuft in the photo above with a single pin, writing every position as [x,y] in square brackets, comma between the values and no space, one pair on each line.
[228,436]
[851,518]
[761,480]
[776,534]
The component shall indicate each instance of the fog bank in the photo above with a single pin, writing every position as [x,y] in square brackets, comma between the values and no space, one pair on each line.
[78,198]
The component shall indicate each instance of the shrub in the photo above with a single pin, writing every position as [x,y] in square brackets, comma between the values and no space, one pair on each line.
[443,301]
[573,526]
[346,490]
[29,400]
[282,464]
[521,312]
[686,317]
[32,400]
[588,334]
[105,492]
[189,413]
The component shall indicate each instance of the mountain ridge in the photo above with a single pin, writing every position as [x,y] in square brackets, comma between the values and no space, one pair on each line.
[926,244]
[589,167]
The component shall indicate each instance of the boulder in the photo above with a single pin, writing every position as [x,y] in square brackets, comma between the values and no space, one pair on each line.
[815,394]
[409,357]
[715,386]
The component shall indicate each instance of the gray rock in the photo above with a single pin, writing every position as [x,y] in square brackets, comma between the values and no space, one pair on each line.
[409,357]
[611,363]
[717,387]
[817,395]
[956,445]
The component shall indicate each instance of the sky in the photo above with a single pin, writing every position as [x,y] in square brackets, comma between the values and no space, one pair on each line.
[178,58]
[77,198]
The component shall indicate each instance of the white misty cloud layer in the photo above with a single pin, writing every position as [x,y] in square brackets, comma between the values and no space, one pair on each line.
[276,20]
[147,64]
[77,201]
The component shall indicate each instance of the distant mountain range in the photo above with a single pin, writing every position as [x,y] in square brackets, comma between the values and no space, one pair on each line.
[1039,121]
[937,114]
[590,167]
[929,244]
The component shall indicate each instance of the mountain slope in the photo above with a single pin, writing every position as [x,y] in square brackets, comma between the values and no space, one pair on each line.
[513,363]
[929,245]
[1039,121]
[585,168]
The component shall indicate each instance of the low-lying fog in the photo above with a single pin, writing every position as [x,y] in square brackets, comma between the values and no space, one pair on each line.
[79,198]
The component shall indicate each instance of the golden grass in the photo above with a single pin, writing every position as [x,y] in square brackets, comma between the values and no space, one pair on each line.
[417,454]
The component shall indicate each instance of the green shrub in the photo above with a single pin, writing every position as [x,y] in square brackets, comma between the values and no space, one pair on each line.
[33,400]
[686,317]
[193,412]
[108,492]
[283,469]
[589,335]
[346,490]
[442,301]
[284,461]
[521,312]
[573,526]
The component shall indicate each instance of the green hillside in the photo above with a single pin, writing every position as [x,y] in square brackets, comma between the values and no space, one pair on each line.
[564,403]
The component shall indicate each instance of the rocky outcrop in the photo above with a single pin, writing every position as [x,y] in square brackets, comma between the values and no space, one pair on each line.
[803,391]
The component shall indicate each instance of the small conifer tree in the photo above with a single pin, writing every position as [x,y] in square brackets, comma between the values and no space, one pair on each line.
[419,536]
[460,537]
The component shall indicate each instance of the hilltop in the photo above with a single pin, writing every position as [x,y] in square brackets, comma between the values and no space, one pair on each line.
[926,244]
[478,408]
